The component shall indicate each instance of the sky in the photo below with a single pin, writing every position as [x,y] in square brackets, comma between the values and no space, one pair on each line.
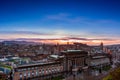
[61,21]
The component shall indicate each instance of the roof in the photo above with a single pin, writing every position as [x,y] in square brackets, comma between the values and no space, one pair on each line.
[36,64]
[54,56]
[98,57]
[72,51]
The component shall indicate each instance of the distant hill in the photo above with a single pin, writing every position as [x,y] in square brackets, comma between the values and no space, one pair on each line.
[19,42]
[114,45]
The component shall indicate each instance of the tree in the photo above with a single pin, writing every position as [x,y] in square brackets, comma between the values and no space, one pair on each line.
[115,74]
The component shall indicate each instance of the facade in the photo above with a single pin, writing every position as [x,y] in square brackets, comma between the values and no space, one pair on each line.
[99,60]
[37,71]
[74,60]
[3,76]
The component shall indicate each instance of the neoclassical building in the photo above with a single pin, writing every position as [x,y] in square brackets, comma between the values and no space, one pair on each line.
[37,71]
[99,60]
[74,60]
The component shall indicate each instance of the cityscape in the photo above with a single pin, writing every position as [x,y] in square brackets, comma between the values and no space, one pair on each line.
[59,40]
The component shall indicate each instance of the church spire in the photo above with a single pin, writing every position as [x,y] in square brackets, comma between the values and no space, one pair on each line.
[101,45]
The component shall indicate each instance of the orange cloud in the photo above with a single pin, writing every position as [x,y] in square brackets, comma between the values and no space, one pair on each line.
[59,37]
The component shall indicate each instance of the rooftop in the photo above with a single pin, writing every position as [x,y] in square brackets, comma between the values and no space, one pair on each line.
[35,64]
[72,51]
[98,57]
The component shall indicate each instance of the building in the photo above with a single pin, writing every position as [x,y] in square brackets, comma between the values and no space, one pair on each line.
[69,61]
[74,60]
[38,71]
[99,60]
[101,46]
[2,76]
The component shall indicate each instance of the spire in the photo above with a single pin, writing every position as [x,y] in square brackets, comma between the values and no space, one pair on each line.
[101,45]
[68,43]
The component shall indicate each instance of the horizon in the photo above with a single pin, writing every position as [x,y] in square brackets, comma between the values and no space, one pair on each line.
[53,43]
[85,21]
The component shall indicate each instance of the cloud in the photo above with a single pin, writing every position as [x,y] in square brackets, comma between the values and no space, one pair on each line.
[46,38]
[69,18]
[60,16]
[64,38]
[24,32]
[56,35]
[90,27]
[63,17]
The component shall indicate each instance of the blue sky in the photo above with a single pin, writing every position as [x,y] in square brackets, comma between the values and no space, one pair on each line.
[48,19]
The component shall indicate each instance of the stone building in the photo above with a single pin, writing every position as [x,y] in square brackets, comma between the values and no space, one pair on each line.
[37,71]
[74,60]
[99,60]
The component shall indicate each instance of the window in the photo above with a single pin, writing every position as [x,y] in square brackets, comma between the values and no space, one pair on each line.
[53,70]
[32,73]
[28,74]
[24,69]
[19,70]
[32,67]
[47,71]
[24,75]
[40,72]
[20,76]
[36,73]
[58,69]
[28,69]
[36,67]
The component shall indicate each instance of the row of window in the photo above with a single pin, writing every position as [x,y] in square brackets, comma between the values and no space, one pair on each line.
[33,68]
[40,72]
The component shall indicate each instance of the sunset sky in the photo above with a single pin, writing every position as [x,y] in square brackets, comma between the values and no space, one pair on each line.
[53,21]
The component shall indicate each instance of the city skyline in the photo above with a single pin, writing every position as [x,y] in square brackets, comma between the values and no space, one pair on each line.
[61,21]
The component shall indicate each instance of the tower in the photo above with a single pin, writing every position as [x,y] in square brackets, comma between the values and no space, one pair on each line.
[101,46]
